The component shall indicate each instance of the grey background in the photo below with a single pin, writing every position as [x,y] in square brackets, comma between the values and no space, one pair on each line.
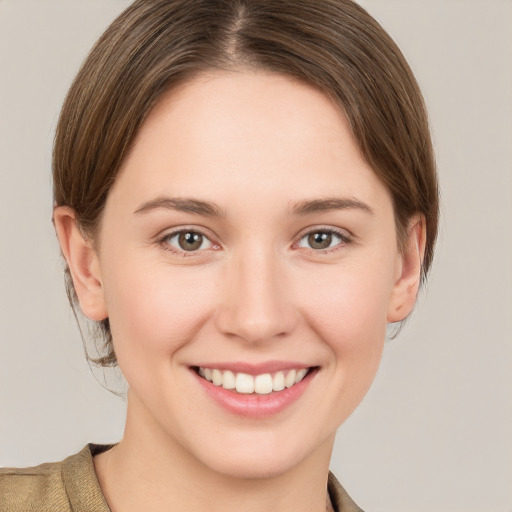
[435,431]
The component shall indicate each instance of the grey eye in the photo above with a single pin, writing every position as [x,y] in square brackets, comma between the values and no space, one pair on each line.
[321,239]
[189,241]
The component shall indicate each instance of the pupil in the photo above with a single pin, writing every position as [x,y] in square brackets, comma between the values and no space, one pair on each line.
[190,241]
[320,240]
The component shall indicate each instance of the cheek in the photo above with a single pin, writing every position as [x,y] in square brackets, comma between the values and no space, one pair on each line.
[348,313]
[347,309]
[348,302]
[156,309]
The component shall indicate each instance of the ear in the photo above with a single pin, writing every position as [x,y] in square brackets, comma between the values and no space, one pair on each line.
[83,263]
[408,271]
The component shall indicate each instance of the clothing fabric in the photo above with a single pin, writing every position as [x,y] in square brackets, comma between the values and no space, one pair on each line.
[72,486]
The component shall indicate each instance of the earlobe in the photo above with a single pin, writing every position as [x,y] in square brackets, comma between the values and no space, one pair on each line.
[83,263]
[405,289]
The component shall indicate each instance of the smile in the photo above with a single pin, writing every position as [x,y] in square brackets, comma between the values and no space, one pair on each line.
[255,391]
[246,384]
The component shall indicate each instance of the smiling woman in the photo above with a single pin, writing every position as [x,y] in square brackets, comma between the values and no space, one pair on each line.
[245,196]
[253,295]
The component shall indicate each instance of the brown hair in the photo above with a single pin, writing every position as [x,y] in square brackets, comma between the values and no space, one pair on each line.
[153,45]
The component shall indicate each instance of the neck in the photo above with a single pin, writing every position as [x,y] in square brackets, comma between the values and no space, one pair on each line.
[150,471]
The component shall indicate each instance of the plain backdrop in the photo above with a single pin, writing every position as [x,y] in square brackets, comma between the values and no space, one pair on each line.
[435,431]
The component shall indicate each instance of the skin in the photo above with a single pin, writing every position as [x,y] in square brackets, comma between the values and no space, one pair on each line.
[255,144]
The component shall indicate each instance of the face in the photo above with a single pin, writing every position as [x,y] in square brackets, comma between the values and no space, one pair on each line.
[246,244]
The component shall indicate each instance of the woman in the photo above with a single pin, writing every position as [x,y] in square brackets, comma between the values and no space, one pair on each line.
[245,196]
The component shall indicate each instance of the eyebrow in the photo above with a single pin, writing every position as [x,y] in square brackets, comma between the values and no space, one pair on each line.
[182,204]
[329,204]
[207,208]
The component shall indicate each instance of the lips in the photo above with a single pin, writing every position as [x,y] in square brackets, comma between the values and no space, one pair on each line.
[255,391]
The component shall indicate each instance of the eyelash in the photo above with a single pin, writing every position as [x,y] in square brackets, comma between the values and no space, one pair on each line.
[344,238]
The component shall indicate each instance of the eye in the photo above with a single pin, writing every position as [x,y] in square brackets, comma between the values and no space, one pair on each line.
[186,240]
[323,239]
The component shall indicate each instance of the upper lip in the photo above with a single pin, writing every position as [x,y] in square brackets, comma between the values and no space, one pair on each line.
[254,368]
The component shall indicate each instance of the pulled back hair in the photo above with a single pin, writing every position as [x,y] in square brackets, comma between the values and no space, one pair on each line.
[154,45]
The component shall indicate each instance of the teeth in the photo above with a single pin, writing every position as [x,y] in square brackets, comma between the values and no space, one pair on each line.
[247,384]
[244,383]
[289,380]
[278,381]
[263,384]
[300,375]
[217,377]
[229,381]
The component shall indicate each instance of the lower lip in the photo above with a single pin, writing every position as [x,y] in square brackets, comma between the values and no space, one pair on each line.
[254,405]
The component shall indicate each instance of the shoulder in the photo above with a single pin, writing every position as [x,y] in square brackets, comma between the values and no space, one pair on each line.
[59,486]
[340,499]
[30,489]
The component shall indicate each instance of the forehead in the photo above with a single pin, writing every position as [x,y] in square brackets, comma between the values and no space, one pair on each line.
[221,108]
[261,132]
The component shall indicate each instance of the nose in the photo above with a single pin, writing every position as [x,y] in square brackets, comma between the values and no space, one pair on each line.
[256,305]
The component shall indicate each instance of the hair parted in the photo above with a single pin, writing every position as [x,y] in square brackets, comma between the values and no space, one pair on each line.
[154,45]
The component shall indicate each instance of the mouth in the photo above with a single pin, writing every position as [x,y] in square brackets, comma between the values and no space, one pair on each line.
[255,391]
[247,384]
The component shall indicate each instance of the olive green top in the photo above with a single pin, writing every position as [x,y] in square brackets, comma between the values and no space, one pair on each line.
[72,486]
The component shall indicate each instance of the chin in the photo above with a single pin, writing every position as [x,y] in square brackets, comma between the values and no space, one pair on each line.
[265,456]
[254,467]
